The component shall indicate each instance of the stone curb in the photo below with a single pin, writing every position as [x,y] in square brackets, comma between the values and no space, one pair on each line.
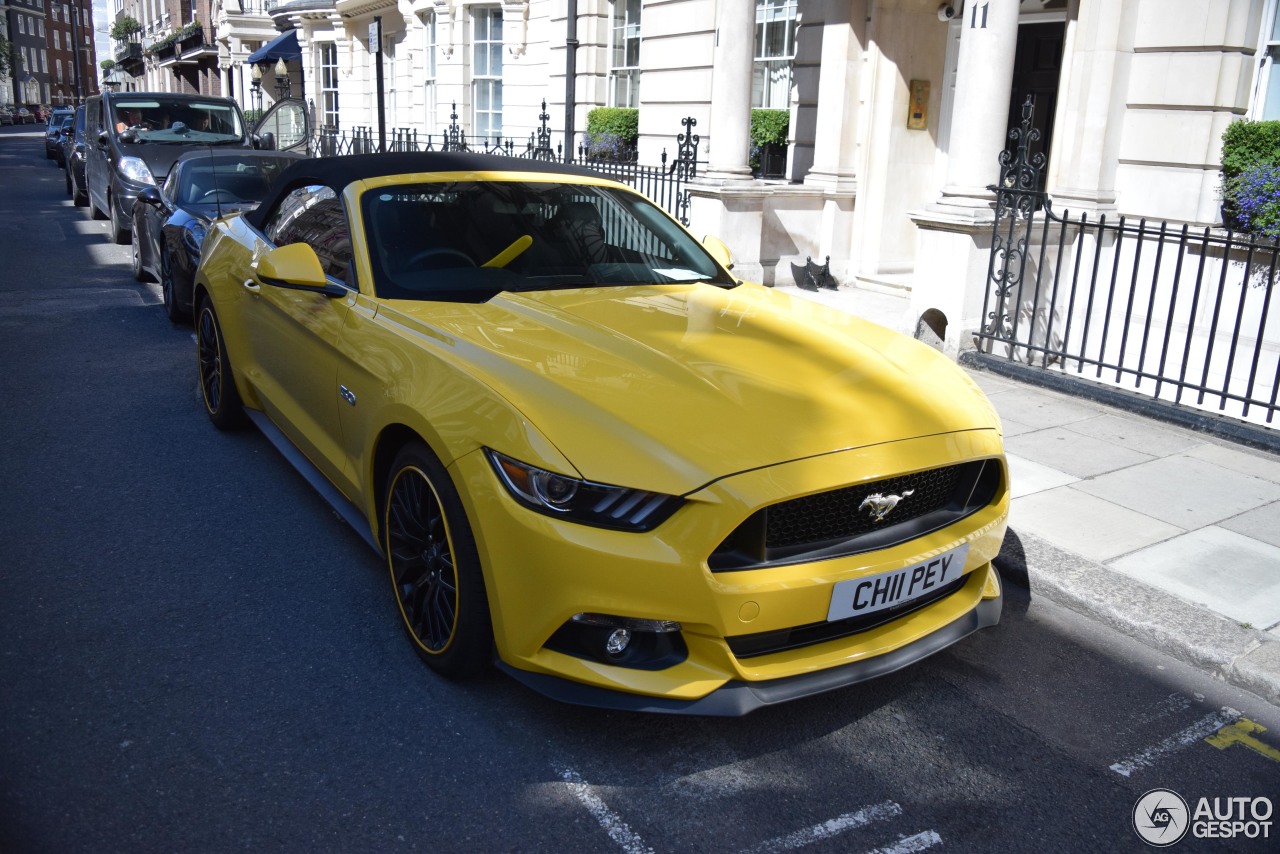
[1245,658]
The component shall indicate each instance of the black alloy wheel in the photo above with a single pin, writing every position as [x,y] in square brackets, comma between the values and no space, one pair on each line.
[435,569]
[217,385]
[175,312]
[67,175]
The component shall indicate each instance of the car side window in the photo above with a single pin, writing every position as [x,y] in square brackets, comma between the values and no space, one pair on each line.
[170,187]
[314,215]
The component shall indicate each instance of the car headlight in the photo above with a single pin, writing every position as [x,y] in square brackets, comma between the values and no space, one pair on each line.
[597,504]
[136,170]
[193,237]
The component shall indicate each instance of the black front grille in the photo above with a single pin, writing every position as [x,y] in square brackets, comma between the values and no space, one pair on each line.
[846,522]
[842,514]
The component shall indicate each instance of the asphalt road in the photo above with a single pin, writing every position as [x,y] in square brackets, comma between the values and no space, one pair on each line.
[196,654]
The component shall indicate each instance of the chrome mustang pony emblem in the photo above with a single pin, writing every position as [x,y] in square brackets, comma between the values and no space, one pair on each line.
[882,505]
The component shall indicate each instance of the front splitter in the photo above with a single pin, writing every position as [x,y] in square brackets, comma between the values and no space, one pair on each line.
[736,697]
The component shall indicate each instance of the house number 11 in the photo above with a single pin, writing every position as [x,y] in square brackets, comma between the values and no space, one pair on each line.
[973,19]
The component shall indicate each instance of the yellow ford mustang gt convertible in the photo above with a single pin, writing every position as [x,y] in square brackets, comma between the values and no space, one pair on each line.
[589,453]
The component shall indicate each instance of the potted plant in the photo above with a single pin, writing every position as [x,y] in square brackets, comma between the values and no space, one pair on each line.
[191,35]
[612,133]
[1250,169]
[769,142]
[125,28]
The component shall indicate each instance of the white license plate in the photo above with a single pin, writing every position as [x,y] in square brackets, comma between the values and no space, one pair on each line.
[859,596]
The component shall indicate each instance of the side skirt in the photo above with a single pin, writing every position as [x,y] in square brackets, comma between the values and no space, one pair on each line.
[339,502]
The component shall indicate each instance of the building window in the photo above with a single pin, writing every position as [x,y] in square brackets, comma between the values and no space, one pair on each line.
[624,54]
[58,67]
[1266,103]
[44,61]
[40,21]
[57,40]
[329,84]
[22,25]
[429,84]
[486,73]
[775,50]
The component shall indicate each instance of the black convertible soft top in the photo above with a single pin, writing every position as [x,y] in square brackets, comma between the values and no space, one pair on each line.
[337,172]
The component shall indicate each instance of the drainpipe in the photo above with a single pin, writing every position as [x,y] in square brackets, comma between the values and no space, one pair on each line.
[570,73]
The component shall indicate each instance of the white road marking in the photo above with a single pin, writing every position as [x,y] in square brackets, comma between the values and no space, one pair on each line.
[1171,705]
[828,829]
[1206,726]
[626,838]
[909,844]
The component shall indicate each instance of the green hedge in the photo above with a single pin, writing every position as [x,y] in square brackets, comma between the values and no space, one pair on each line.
[1246,144]
[622,122]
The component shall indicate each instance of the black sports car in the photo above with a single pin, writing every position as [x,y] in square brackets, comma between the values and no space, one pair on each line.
[169,222]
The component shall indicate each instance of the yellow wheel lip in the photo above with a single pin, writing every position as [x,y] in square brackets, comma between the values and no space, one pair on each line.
[448,535]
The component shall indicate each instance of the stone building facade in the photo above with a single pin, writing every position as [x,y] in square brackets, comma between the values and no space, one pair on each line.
[898,108]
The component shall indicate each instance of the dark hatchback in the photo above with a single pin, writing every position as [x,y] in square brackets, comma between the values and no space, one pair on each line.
[73,159]
[169,221]
[53,132]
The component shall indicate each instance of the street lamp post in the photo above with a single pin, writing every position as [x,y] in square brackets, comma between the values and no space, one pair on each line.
[283,84]
[256,74]
[75,53]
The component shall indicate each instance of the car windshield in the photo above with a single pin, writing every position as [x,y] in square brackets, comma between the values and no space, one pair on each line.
[229,180]
[176,121]
[470,240]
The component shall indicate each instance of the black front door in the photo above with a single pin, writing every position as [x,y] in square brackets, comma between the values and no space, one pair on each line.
[1037,66]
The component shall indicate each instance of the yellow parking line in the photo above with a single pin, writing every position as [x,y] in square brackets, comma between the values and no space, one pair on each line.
[1241,732]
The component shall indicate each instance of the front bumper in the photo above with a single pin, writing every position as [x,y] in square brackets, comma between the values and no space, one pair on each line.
[540,572]
[738,697]
[124,194]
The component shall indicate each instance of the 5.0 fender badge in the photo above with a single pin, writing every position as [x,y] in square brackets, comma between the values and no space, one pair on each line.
[882,505]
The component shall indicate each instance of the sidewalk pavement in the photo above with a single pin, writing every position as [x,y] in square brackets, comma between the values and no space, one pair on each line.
[1168,535]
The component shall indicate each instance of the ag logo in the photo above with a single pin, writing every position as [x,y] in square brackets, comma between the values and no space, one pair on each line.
[1160,817]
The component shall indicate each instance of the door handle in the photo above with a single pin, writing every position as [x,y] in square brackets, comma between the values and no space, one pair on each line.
[251,286]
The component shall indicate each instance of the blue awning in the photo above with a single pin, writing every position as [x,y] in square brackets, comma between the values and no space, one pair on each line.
[283,46]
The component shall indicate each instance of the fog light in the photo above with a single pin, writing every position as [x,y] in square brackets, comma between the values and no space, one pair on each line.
[617,641]
[636,642]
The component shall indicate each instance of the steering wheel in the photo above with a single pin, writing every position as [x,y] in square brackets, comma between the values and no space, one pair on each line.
[440,252]
[219,195]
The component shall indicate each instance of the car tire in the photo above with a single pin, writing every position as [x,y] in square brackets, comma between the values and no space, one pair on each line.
[79,195]
[139,274]
[217,383]
[434,565]
[120,232]
[70,188]
[175,313]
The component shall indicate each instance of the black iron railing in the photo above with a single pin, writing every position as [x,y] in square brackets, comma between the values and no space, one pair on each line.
[1181,314]
[667,184]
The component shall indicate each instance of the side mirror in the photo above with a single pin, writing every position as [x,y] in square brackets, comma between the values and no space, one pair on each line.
[718,251]
[150,196]
[267,141]
[103,138]
[296,267]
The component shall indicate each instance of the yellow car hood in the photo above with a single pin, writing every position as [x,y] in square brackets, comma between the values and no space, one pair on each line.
[670,387]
